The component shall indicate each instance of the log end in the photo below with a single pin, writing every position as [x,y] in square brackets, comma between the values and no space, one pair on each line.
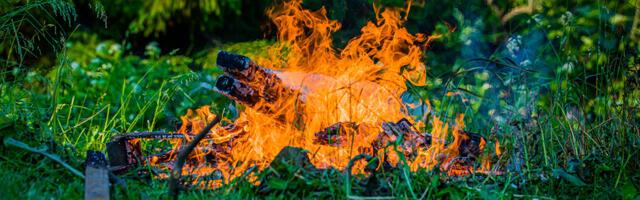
[231,61]
[237,90]
[225,83]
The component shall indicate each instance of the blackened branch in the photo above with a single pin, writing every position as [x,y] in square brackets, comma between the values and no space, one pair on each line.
[182,157]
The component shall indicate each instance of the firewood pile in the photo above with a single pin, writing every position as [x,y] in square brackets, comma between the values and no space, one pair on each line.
[261,89]
[249,84]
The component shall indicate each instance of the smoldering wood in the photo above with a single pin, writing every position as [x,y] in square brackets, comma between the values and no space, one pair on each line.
[243,68]
[96,182]
[470,144]
[123,155]
[334,135]
[122,152]
[125,152]
[256,98]
[209,153]
[411,139]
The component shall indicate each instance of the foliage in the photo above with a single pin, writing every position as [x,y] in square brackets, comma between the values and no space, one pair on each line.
[187,25]
[28,27]
[153,16]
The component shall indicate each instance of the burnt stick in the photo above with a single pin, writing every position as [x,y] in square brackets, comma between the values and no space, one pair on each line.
[182,156]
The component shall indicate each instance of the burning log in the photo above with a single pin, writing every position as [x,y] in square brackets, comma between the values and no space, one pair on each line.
[250,84]
[410,139]
[334,134]
[237,90]
[265,81]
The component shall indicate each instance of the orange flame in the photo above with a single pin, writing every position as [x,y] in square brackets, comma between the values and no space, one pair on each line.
[361,83]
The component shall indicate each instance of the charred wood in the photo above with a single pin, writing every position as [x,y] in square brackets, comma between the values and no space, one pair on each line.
[334,134]
[265,81]
[252,85]
[148,135]
[237,90]
[209,153]
[125,152]
[182,156]
[470,145]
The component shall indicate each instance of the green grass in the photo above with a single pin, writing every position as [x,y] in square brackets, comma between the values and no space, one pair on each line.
[550,152]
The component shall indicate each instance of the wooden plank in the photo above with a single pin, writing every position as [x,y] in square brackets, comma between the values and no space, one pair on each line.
[96,182]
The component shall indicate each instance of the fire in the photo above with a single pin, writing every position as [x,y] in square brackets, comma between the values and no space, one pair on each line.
[311,86]
[498,151]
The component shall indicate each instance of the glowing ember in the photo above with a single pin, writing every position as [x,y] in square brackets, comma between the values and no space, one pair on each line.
[334,103]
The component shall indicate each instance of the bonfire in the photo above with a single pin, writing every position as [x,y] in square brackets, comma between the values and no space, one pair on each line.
[341,106]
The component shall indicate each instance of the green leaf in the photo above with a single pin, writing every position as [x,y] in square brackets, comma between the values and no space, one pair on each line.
[604,167]
[16,143]
[278,184]
[628,190]
[568,177]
